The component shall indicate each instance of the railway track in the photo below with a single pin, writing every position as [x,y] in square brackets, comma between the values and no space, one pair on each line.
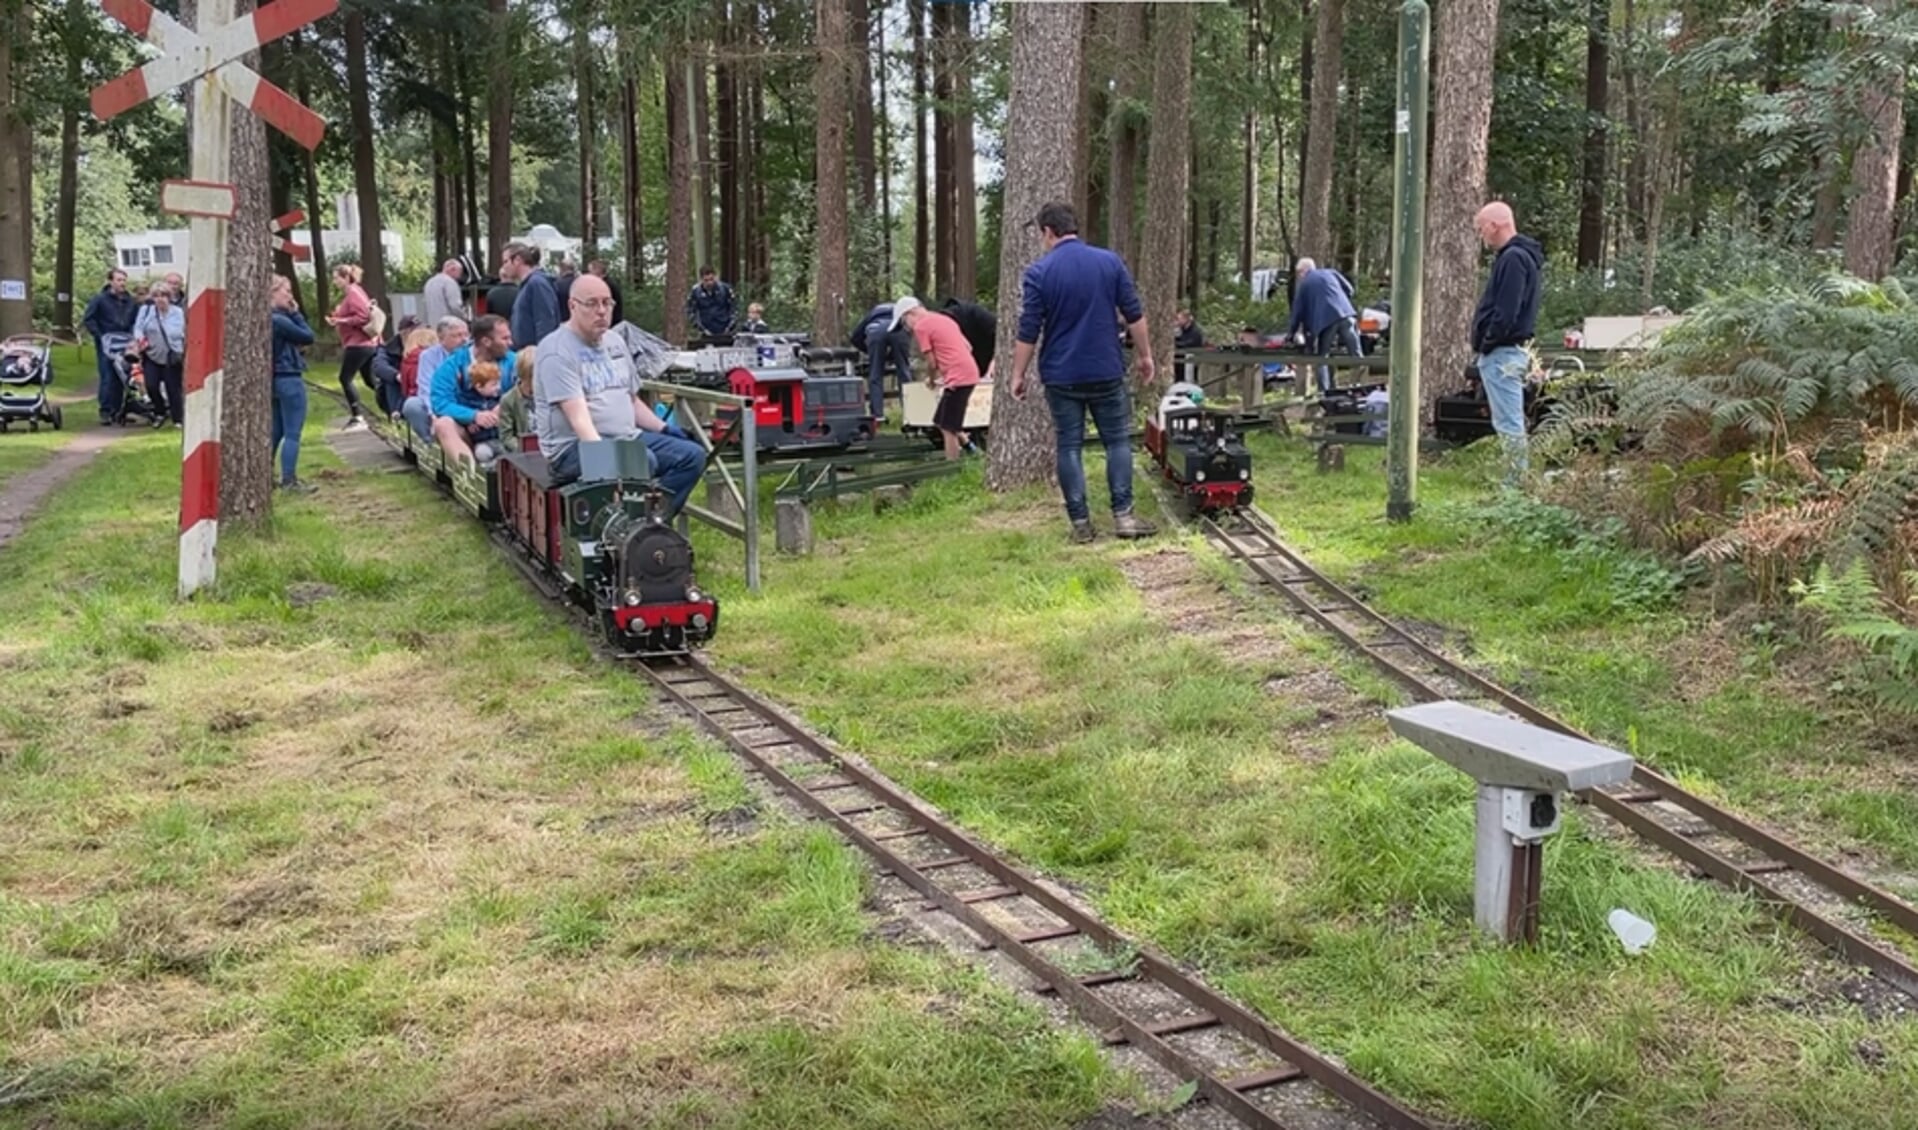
[1130,994]
[1804,891]
[1248,1069]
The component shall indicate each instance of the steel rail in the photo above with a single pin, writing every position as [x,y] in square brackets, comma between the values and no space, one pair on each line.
[1297,586]
[731,713]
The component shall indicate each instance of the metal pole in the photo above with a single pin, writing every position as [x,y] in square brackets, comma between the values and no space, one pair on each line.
[204,377]
[750,504]
[1408,261]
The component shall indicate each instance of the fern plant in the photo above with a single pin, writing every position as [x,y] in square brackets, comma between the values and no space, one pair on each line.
[1857,612]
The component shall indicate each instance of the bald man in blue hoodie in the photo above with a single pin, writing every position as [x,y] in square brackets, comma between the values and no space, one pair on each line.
[1506,320]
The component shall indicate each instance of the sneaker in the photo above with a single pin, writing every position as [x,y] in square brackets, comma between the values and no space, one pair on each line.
[1129,525]
[298,486]
[1082,531]
[356,424]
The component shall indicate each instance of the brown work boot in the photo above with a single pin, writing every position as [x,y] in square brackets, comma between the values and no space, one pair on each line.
[1082,531]
[1130,525]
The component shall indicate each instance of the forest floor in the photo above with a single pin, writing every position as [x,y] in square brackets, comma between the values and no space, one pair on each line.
[342,845]
[1218,781]
[370,837]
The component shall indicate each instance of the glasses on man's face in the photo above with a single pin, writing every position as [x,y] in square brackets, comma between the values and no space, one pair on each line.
[593,303]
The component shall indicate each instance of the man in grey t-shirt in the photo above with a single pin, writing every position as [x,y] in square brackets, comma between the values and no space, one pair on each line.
[590,388]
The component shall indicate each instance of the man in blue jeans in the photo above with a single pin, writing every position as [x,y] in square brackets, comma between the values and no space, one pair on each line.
[1070,296]
[1506,319]
[110,313]
[1322,307]
[590,386]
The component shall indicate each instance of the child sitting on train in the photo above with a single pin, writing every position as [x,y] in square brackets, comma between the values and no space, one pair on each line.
[516,422]
[485,377]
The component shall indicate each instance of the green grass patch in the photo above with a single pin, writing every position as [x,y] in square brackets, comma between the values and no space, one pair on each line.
[1594,633]
[1215,800]
[367,836]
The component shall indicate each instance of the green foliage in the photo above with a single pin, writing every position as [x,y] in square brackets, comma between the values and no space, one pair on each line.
[1687,272]
[1757,364]
[1635,582]
[1856,612]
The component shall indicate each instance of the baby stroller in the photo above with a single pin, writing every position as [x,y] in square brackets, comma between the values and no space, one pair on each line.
[135,401]
[26,369]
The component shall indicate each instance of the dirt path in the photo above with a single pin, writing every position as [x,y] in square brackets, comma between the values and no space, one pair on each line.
[23,492]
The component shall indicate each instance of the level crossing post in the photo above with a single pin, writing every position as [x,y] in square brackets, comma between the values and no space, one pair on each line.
[1408,260]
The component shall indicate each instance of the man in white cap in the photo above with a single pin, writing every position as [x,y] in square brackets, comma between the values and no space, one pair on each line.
[953,370]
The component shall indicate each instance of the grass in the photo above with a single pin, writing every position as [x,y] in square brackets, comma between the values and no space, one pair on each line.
[1104,713]
[370,838]
[21,450]
[1698,695]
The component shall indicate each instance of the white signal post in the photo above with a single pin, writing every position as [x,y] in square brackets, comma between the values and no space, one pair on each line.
[206,56]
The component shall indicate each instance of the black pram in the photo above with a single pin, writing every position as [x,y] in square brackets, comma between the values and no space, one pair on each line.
[26,371]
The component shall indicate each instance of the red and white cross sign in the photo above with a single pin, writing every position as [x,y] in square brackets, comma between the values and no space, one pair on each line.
[281,227]
[207,57]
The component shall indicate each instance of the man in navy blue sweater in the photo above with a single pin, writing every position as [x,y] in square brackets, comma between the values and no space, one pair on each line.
[536,306]
[1070,296]
[1322,307]
[1506,319]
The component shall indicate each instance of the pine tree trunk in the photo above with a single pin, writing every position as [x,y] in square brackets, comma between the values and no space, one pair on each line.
[832,94]
[679,207]
[921,207]
[703,184]
[1168,207]
[16,166]
[1591,204]
[1122,181]
[965,214]
[726,170]
[469,160]
[366,171]
[865,155]
[1467,32]
[1316,237]
[1870,235]
[280,202]
[315,221]
[69,197]
[246,401]
[1828,202]
[885,161]
[630,195]
[585,66]
[1047,51]
[763,232]
[945,207]
[1249,140]
[1091,102]
[499,138]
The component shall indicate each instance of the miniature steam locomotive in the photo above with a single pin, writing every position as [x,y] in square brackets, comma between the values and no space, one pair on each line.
[1199,451]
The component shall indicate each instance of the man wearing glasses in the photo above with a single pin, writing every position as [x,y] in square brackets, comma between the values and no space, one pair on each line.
[590,386]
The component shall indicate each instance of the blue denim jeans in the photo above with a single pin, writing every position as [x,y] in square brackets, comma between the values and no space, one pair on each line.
[1112,415]
[289,419]
[418,416]
[1504,371]
[891,351]
[110,392]
[1341,332]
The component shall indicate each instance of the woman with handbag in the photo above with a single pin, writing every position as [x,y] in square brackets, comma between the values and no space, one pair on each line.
[160,334]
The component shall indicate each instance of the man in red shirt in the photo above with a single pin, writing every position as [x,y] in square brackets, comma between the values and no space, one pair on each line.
[949,357]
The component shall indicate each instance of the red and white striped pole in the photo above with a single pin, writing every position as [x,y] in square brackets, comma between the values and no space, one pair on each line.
[205,376]
[207,56]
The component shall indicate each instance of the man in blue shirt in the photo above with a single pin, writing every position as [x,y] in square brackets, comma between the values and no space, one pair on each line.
[1322,307]
[1070,296]
[110,314]
[885,346]
[536,306]
[712,307]
[457,405]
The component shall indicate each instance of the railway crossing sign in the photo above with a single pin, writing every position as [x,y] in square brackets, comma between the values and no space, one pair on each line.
[206,58]
[282,227]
